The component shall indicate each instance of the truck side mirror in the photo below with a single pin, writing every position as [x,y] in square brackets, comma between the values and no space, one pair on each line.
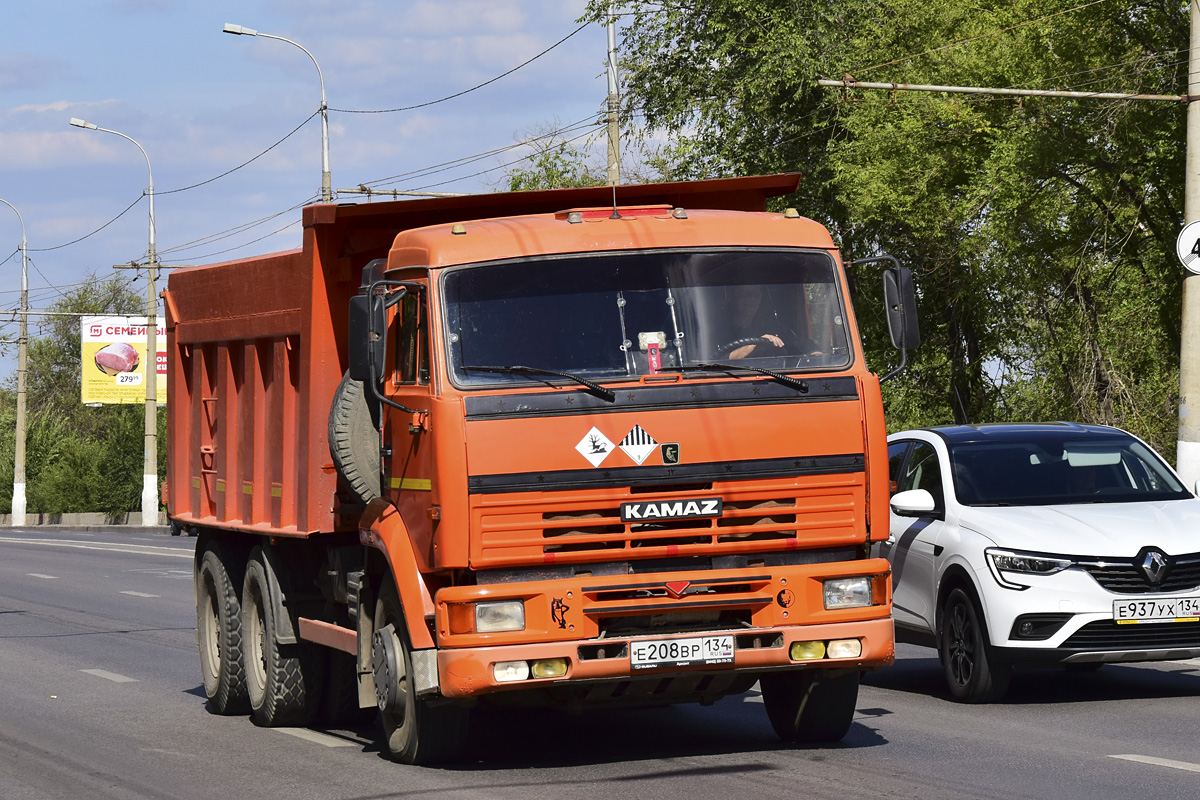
[368,337]
[901,302]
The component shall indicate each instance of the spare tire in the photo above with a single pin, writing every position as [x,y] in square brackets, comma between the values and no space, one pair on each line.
[354,440]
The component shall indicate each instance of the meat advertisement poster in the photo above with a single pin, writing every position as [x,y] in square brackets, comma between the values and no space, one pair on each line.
[114,355]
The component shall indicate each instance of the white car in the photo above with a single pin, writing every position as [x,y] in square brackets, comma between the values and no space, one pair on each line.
[1050,543]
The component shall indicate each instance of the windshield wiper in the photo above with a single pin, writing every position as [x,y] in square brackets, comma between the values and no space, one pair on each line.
[594,388]
[784,379]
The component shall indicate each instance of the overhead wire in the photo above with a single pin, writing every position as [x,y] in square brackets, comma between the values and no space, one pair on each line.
[93,233]
[973,39]
[244,163]
[464,91]
[465,160]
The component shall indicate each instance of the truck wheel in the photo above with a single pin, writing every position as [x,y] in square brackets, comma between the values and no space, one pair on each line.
[974,672]
[810,705]
[415,730]
[283,681]
[219,635]
[354,440]
[339,697]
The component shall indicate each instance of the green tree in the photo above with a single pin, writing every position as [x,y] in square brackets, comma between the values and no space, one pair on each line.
[1041,231]
[78,459]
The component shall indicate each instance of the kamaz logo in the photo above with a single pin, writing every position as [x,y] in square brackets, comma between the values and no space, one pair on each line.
[671,509]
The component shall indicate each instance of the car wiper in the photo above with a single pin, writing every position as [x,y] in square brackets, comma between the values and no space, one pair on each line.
[519,369]
[802,386]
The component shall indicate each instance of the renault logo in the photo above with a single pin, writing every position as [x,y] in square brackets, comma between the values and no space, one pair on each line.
[1154,567]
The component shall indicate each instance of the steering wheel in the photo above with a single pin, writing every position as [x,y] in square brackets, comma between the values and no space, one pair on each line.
[736,343]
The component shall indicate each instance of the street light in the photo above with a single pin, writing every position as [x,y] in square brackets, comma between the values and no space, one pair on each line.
[326,183]
[150,471]
[18,495]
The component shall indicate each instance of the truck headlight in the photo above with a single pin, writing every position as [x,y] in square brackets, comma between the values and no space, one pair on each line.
[847,592]
[500,615]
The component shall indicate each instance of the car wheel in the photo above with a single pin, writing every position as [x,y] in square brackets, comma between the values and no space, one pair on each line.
[974,672]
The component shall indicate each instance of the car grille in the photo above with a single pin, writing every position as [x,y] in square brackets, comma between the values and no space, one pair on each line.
[1125,576]
[1108,635]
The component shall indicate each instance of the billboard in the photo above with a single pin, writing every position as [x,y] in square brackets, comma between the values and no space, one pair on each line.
[114,355]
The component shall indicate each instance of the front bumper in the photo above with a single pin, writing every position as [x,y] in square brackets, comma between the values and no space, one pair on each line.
[469,672]
[1088,633]
[593,623]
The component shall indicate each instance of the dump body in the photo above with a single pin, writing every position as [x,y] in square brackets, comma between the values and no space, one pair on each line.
[612,455]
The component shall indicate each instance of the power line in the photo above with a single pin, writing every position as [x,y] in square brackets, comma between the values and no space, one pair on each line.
[93,233]
[974,39]
[225,234]
[244,163]
[464,91]
[444,166]
[498,166]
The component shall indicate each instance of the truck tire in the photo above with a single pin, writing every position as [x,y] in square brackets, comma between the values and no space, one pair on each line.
[810,705]
[354,440]
[415,730]
[339,697]
[219,633]
[282,681]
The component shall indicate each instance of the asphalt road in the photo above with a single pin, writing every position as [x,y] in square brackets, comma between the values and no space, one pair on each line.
[100,697]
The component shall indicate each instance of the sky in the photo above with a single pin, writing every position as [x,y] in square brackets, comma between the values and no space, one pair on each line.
[202,102]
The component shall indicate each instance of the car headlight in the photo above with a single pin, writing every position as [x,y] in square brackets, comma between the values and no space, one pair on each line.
[1018,563]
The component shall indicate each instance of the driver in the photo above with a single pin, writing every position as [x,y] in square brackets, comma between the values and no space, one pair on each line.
[745,308]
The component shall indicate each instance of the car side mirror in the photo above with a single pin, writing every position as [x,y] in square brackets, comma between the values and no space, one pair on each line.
[913,503]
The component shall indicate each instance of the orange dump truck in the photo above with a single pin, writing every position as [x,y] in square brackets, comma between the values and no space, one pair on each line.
[533,448]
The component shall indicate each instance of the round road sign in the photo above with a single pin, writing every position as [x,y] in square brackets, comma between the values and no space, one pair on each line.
[1187,247]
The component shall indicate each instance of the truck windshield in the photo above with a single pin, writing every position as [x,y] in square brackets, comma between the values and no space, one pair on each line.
[602,316]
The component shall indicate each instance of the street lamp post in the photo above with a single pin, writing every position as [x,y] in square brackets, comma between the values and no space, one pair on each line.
[18,495]
[150,471]
[326,183]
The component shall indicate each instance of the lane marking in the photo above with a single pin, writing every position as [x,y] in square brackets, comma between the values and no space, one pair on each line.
[40,575]
[1161,762]
[111,676]
[139,549]
[317,738]
[140,594]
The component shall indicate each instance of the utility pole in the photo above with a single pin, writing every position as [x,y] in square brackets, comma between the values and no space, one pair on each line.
[1187,456]
[150,470]
[18,495]
[614,104]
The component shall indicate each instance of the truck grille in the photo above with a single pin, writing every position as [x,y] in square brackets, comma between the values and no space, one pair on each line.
[1124,576]
[1108,635]
[513,533]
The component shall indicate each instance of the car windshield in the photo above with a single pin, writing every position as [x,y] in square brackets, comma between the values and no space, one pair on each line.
[1060,469]
[602,316]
